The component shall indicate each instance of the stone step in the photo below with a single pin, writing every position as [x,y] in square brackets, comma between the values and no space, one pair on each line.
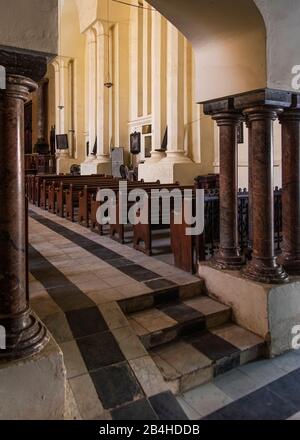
[171,320]
[196,359]
[161,294]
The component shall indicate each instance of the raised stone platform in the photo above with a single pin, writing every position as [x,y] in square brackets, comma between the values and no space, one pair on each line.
[34,388]
[169,172]
[270,311]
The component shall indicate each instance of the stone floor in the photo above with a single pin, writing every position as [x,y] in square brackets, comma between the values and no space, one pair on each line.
[91,293]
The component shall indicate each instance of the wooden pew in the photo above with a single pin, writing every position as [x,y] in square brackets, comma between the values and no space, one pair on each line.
[56,191]
[88,205]
[52,182]
[142,233]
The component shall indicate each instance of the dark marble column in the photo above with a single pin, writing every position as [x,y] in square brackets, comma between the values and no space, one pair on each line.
[290,121]
[24,334]
[250,221]
[263,266]
[228,256]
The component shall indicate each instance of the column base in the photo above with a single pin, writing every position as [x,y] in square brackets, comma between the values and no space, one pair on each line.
[291,265]
[96,166]
[25,335]
[156,156]
[225,261]
[257,270]
[169,171]
[34,388]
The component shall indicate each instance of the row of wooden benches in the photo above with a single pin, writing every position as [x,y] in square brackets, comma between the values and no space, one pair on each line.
[75,198]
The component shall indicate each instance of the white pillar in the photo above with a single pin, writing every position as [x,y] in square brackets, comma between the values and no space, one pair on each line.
[91,61]
[62,93]
[147,46]
[157,91]
[175,96]
[134,66]
[102,126]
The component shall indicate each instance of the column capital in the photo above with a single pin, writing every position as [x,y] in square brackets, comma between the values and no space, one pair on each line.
[100,28]
[262,112]
[19,87]
[23,64]
[290,115]
[91,35]
[228,117]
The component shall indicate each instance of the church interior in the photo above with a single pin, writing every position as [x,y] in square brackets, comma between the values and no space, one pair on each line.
[134,321]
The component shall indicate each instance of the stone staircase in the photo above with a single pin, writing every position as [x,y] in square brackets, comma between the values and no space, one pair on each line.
[190,336]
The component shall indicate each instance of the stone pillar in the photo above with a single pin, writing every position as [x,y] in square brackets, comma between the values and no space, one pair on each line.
[228,256]
[24,334]
[175,96]
[176,166]
[102,38]
[157,54]
[290,121]
[42,144]
[91,37]
[98,101]
[263,267]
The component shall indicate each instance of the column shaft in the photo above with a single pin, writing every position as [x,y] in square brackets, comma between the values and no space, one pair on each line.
[92,89]
[263,266]
[102,93]
[290,121]
[25,335]
[228,256]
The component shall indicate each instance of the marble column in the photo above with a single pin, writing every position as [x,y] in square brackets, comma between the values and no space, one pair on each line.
[250,220]
[290,121]
[263,266]
[228,256]
[42,144]
[24,334]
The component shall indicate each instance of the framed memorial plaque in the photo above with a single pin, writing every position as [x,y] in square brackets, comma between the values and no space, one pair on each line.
[135,143]
[62,142]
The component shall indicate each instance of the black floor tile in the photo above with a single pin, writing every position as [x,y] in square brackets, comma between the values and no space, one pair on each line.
[159,284]
[226,364]
[181,312]
[85,322]
[139,410]
[139,273]
[212,346]
[116,385]
[268,406]
[166,407]
[277,401]
[100,350]
[288,388]
[120,262]
[69,298]
[166,296]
